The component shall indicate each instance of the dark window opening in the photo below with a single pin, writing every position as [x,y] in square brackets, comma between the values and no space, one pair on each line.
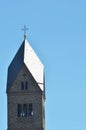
[30,109]
[24,85]
[19,110]
[24,110]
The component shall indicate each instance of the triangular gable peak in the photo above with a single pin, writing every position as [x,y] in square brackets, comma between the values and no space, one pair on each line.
[24,76]
[27,56]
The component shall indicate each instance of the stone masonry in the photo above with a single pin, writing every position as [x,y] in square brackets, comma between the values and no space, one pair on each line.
[32,95]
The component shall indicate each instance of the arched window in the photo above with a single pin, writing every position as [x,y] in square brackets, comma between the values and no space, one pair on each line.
[24,85]
[25,109]
[30,109]
[19,110]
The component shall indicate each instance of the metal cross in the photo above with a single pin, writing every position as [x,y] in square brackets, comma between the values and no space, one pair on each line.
[24,29]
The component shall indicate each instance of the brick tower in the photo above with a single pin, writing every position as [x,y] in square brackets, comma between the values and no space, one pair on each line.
[26,91]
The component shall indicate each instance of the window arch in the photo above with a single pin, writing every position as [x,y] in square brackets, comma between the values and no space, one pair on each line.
[24,110]
[24,85]
[19,110]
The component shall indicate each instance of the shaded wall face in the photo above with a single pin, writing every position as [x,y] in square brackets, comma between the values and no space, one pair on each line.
[32,95]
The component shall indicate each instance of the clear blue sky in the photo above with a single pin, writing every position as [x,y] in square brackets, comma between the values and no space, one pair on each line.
[57,33]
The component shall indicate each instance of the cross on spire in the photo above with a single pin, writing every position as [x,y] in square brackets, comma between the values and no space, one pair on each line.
[24,29]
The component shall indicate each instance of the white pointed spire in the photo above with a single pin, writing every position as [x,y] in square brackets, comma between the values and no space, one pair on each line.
[33,63]
[27,56]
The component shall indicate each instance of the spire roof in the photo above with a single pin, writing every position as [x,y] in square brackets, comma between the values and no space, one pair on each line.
[27,56]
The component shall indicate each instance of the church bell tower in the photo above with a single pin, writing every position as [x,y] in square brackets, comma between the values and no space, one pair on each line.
[25,91]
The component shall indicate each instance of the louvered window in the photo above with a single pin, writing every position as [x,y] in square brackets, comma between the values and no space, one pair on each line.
[25,110]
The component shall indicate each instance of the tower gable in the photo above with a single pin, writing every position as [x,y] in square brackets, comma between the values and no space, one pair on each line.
[24,82]
[25,91]
[27,56]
